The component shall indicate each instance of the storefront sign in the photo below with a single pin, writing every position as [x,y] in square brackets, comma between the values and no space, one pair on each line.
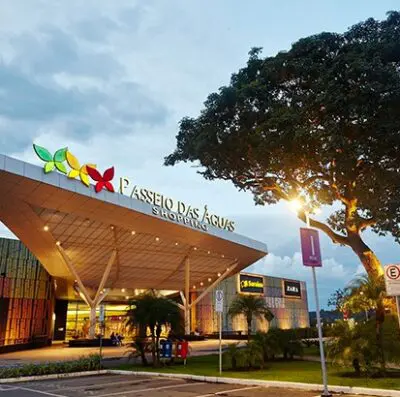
[162,206]
[292,288]
[251,284]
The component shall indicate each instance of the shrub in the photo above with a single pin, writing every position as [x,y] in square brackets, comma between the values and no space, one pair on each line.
[88,363]
[234,356]
[357,346]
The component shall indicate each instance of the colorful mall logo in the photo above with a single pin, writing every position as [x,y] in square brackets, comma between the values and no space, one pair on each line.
[62,156]
[163,206]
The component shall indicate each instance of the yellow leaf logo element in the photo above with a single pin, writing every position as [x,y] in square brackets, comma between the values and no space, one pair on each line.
[76,169]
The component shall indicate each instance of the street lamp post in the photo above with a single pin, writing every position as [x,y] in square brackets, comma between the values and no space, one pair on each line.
[325,391]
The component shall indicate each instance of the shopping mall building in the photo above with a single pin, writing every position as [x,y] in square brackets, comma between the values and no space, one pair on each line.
[86,239]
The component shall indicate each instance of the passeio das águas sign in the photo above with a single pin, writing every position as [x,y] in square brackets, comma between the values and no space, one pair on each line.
[65,162]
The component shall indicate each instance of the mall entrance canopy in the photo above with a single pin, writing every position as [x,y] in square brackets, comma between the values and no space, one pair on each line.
[102,241]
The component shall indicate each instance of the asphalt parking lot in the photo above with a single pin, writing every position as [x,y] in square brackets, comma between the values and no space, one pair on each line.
[138,386]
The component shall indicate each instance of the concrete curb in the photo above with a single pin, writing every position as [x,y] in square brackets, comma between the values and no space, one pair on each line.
[53,376]
[267,383]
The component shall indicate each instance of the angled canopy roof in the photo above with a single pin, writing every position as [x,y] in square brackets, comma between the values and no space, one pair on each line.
[45,209]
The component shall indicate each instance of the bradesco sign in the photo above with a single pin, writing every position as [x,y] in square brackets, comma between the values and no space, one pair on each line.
[66,163]
[251,284]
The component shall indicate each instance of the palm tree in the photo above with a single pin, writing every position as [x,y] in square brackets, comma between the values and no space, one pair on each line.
[152,311]
[250,306]
[366,293]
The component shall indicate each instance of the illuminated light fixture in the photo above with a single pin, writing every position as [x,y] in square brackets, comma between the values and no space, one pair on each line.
[122,289]
[208,252]
[195,248]
[133,232]
[209,279]
[157,238]
[201,284]
[194,287]
[227,269]
[176,243]
[58,243]
[219,274]
[112,227]
[127,297]
[46,228]
[222,256]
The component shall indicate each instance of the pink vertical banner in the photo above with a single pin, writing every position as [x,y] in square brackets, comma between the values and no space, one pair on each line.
[310,247]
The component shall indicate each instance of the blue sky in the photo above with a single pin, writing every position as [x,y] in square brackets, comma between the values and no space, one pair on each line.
[112,79]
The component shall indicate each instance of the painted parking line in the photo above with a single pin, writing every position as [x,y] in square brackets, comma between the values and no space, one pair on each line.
[225,392]
[45,393]
[148,389]
[97,385]
[8,388]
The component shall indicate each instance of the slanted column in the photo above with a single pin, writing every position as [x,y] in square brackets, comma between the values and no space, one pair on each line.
[187,296]
[92,329]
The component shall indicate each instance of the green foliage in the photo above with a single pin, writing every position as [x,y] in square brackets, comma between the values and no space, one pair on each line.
[250,306]
[152,311]
[337,300]
[319,122]
[253,356]
[87,363]
[268,343]
[139,347]
[365,293]
[234,356]
[357,345]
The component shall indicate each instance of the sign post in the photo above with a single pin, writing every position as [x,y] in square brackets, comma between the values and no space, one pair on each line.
[311,253]
[219,308]
[101,319]
[392,281]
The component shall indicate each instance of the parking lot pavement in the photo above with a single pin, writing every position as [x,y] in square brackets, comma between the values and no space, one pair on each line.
[139,386]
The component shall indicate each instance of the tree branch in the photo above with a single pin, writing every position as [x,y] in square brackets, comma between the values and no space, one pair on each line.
[335,237]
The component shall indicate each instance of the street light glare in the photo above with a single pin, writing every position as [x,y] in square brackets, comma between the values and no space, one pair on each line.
[295,205]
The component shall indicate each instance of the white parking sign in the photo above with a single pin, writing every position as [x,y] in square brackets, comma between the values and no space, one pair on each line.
[392,280]
[219,301]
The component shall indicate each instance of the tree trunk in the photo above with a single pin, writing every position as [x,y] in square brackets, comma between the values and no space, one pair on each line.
[248,329]
[367,257]
[153,347]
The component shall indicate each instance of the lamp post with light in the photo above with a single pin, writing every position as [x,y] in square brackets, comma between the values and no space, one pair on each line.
[297,206]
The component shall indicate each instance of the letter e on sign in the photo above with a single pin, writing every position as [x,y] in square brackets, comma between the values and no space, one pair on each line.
[392,280]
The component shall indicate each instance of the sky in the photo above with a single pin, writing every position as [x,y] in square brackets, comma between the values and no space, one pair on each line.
[111,80]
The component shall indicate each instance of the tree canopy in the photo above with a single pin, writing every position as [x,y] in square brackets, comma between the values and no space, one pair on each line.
[319,122]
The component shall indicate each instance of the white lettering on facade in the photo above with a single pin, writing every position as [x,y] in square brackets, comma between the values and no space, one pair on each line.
[176,211]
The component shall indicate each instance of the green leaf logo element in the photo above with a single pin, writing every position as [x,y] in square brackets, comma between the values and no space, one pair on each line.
[60,156]
[42,153]
[60,166]
[48,167]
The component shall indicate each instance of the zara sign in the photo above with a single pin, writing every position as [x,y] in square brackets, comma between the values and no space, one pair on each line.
[291,289]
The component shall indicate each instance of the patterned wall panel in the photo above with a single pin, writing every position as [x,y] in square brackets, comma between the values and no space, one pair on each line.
[26,295]
[289,312]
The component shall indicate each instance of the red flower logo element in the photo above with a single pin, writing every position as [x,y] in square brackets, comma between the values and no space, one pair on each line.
[102,181]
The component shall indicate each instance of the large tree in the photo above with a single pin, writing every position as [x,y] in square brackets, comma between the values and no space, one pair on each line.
[320,122]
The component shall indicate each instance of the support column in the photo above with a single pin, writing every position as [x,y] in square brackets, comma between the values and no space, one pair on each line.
[187,296]
[92,328]
[84,293]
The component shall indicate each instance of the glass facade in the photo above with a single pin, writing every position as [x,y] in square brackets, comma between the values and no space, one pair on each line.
[26,296]
[77,325]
